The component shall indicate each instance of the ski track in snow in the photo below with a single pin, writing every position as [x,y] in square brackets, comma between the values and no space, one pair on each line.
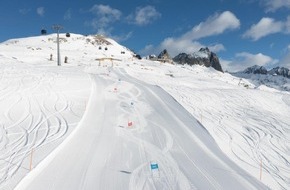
[126,127]
[268,140]
[36,116]
[241,121]
[149,150]
[170,177]
[161,155]
[253,125]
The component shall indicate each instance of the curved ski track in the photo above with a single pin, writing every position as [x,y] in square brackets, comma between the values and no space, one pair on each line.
[35,117]
[127,126]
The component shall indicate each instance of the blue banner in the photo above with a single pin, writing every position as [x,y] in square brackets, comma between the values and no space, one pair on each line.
[154,166]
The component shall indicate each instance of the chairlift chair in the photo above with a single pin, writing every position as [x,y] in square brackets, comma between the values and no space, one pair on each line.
[43,32]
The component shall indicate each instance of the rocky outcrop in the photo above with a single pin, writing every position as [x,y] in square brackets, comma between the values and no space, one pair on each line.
[203,57]
[164,55]
[279,71]
[256,70]
[282,71]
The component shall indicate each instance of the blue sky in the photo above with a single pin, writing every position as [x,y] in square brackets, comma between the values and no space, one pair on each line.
[241,32]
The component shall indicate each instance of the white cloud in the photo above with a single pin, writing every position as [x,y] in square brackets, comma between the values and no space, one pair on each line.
[285,61]
[287,25]
[173,46]
[40,11]
[148,50]
[144,15]
[122,37]
[255,59]
[244,59]
[186,46]
[227,65]
[217,47]
[264,27]
[273,5]
[106,11]
[267,26]
[103,23]
[214,25]
[105,16]
[181,46]
[67,14]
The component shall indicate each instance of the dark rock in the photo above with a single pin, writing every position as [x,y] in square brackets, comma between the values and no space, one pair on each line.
[279,71]
[203,57]
[256,70]
[137,56]
[164,55]
[214,62]
[282,71]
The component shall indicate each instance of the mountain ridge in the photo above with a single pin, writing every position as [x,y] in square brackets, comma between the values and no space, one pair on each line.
[280,71]
[202,57]
[276,78]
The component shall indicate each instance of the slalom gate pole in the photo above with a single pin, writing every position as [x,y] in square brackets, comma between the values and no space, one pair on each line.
[31,155]
[261,166]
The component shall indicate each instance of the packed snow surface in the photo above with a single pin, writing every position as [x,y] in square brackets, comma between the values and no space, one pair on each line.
[107,121]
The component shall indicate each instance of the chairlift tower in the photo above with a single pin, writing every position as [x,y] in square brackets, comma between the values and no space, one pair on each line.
[57,28]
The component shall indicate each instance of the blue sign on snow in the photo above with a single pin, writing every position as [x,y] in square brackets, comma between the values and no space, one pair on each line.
[154,166]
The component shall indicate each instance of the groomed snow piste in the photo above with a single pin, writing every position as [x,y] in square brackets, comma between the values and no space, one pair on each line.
[105,120]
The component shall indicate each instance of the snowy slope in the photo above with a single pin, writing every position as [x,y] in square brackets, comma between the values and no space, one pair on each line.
[78,48]
[200,127]
[249,123]
[39,107]
[271,81]
[112,155]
